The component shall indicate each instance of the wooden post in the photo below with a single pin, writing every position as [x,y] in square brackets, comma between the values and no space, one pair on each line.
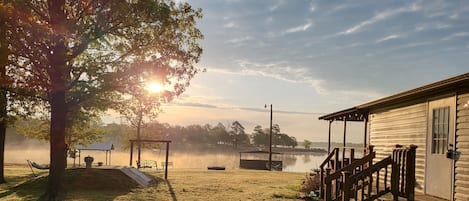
[131,152]
[352,155]
[410,173]
[336,159]
[329,139]
[370,178]
[79,157]
[166,164]
[106,157]
[328,184]
[321,186]
[347,185]
[344,144]
[395,176]
[366,133]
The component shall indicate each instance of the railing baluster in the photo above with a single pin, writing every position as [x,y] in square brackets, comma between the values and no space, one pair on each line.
[328,185]
[377,181]
[347,185]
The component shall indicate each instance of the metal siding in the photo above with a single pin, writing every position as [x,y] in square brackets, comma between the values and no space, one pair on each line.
[462,146]
[403,125]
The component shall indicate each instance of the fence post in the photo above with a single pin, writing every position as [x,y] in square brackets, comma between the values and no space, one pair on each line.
[347,185]
[321,186]
[395,175]
[410,173]
[328,184]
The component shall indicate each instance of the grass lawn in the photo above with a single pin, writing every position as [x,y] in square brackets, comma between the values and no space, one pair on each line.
[182,184]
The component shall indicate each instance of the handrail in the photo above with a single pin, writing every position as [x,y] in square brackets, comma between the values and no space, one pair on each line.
[357,163]
[328,158]
[352,182]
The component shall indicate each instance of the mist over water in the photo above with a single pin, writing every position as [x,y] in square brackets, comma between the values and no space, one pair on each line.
[181,158]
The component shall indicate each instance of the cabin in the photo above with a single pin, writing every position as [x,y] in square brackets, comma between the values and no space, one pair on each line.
[433,119]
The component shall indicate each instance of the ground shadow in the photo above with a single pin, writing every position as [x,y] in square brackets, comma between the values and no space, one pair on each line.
[84,184]
[171,190]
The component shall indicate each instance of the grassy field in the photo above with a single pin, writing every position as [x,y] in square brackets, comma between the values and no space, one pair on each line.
[182,184]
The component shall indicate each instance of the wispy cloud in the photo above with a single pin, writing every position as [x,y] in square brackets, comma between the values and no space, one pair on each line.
[282,71]
[239,40]
[381,16]
[386,38]
[199,105]
[299,28]
[229,25]
[276,5]
[456,35]
[430,26]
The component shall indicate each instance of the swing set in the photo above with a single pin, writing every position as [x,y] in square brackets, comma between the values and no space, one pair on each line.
[151,141]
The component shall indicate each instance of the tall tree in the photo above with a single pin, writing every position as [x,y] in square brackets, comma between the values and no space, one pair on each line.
[78,53]
[237,133]
[259,137]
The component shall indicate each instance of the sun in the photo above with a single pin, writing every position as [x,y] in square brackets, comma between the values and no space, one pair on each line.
[154,87]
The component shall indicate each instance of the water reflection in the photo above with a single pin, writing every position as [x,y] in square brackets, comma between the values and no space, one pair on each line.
[180,159]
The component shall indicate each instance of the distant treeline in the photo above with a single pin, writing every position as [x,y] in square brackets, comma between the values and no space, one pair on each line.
[233,134]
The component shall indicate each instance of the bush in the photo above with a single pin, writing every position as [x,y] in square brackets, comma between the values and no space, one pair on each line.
[310,183]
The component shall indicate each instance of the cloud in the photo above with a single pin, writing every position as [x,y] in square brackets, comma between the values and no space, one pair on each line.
[430,26]
[386,38]
[199,105]
[381,16]
[229,25]
[456,35]
[299,28]
[239,40]
[276,5]
[281,71]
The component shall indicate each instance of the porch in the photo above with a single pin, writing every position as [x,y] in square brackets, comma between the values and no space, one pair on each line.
[346,177]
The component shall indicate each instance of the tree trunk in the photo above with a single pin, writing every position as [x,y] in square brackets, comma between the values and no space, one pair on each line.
[58,159]
[58,74]
[3,127]
[3,99]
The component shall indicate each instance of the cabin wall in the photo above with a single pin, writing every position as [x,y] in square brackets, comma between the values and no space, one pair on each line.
[462,147]
[404,125]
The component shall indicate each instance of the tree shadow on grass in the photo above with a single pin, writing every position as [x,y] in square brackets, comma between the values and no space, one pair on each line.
[83,184]
[171,190]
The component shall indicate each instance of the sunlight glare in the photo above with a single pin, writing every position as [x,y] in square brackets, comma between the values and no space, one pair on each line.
[154,87]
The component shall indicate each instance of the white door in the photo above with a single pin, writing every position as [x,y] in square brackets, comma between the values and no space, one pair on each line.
[440,136]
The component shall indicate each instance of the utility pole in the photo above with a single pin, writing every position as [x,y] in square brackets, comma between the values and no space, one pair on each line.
[270,139]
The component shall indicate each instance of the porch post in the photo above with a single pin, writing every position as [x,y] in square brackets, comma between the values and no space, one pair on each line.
[344,144]
[366,135]
[329,139]
[131,152]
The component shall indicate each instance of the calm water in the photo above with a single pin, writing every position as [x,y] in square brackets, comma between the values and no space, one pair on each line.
[180,159]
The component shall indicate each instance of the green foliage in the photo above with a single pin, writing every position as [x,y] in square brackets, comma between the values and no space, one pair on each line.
[307,144]
[84,133]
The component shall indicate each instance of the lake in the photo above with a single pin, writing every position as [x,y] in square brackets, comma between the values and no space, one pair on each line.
[181,159]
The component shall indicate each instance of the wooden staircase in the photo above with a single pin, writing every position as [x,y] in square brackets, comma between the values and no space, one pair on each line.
[361,179]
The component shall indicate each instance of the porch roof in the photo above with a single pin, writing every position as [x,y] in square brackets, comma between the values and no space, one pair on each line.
[350,114]
[360,112]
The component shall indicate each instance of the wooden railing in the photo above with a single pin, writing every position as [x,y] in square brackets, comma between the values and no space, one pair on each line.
[362,180]
[404,159]
[361,186]
[335,166]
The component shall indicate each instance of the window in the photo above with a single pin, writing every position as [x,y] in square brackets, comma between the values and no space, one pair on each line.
[440,130]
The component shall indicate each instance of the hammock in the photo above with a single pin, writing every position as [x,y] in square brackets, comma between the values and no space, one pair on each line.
[37,166]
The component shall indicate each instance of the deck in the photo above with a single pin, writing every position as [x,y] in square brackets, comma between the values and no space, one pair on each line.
[418,197]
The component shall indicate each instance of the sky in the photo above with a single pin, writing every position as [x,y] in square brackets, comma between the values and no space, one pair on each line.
[309,58]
